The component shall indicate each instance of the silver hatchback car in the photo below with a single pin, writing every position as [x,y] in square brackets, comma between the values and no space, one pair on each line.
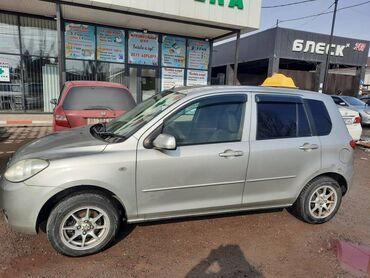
[184,152]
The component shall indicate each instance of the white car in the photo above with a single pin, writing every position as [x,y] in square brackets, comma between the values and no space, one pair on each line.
[353,122]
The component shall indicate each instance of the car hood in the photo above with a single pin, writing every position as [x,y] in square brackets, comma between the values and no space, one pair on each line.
[75,142]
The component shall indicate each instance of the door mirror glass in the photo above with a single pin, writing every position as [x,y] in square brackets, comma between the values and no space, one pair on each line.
[165,142]
[54,101]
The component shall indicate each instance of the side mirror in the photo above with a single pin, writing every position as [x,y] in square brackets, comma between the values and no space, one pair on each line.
[342,103]
[54,101]
[165,142]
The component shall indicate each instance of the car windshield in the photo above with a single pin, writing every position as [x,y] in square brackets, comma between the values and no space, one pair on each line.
[354,101]
[132,121]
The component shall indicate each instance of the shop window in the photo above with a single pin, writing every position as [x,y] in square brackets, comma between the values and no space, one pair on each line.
[9,42]
[80,70]
[39,37]
[37,73]
[11,96]
[111,72]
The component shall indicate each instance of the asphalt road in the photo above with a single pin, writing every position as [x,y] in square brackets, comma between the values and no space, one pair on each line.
[258,244]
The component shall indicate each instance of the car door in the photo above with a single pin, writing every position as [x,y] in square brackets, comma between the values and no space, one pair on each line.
[284,151]
[207,170]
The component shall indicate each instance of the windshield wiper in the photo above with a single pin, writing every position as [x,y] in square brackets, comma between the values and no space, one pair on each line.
[98,108]
[110,134]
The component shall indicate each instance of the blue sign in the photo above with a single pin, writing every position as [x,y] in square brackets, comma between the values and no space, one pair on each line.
[173,51]
[110,45]
[79,41]
[143,49]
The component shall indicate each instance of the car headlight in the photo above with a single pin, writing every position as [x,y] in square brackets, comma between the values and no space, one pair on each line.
[24,169]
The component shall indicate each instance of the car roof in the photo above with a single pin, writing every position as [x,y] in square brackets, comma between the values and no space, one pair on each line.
[203,90]
[91,83]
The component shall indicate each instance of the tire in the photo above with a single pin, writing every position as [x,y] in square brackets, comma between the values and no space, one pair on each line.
[311,206]
[73,234]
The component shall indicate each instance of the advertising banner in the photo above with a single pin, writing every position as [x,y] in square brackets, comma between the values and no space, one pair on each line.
[196,78]
[79,41]
[110,45]
[4,72]
[172,77]
[143,49]
[173,51]
[198,54]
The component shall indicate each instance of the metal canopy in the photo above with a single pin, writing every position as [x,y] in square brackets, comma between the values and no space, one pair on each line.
[90,13]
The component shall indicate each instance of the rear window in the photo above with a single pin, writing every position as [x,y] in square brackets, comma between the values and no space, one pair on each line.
[320,117]
[96,98]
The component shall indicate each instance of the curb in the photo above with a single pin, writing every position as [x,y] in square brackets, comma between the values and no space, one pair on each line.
[25,123]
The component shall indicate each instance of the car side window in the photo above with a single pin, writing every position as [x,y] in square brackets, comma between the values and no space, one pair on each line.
[209,120]
[337,100]
[320,116]
[282,117]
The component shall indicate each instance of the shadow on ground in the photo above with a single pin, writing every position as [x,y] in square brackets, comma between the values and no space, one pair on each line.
[225,261]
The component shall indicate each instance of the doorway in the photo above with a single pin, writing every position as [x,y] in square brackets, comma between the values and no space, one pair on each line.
[143,82]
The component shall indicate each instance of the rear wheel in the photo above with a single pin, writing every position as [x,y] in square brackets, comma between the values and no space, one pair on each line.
[82,224]
[319,201]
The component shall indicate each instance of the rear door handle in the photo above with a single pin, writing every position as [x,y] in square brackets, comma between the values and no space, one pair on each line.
[231,153]
[309,147]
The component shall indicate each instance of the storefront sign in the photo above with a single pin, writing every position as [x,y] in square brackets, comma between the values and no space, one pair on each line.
[196,78]
[232,3]
[143,49]
[4,72]
[172,77]
[110,45]
[79,41]
[319,48]
[173,51]
[198,54]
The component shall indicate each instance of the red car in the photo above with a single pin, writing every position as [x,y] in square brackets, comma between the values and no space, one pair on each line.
[89,102]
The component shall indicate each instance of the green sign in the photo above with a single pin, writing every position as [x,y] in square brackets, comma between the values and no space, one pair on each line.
[232,3]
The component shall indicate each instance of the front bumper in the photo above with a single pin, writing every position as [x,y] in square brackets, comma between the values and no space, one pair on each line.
[21,205]
[365,118]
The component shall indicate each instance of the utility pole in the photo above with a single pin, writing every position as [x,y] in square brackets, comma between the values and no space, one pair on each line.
[327,63]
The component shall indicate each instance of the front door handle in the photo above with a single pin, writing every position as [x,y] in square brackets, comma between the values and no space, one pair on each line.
[231,153]
[308,147]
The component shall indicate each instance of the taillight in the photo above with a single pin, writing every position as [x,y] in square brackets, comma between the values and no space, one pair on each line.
[61,119]
[357,120]
[353,144]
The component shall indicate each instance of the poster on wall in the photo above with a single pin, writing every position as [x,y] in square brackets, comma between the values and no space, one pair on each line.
[197,78]
[198,54]
[4,72]
[172,77]
[110,44]
[173,51]
[143,49]
[79,41]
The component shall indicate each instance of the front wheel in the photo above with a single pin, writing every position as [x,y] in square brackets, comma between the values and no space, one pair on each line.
[82,224]
[319,201]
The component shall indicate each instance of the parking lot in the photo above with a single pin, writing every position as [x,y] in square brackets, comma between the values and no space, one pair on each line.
[255,244]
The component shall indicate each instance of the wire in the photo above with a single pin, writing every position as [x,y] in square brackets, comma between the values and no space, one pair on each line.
[313,19]
[287,4]
[323,13]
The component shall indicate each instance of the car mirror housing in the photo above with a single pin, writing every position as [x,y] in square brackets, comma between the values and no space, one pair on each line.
[165,142]
[54,101]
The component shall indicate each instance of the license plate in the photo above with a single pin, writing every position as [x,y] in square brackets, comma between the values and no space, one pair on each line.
[91,121]
[348,121]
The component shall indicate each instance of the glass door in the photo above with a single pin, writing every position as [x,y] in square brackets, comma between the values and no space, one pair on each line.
[143,83]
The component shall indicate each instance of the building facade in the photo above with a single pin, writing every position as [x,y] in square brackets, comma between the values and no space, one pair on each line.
[298,54]
[146,45]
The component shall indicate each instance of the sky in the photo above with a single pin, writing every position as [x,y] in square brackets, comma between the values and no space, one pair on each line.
[352,23]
